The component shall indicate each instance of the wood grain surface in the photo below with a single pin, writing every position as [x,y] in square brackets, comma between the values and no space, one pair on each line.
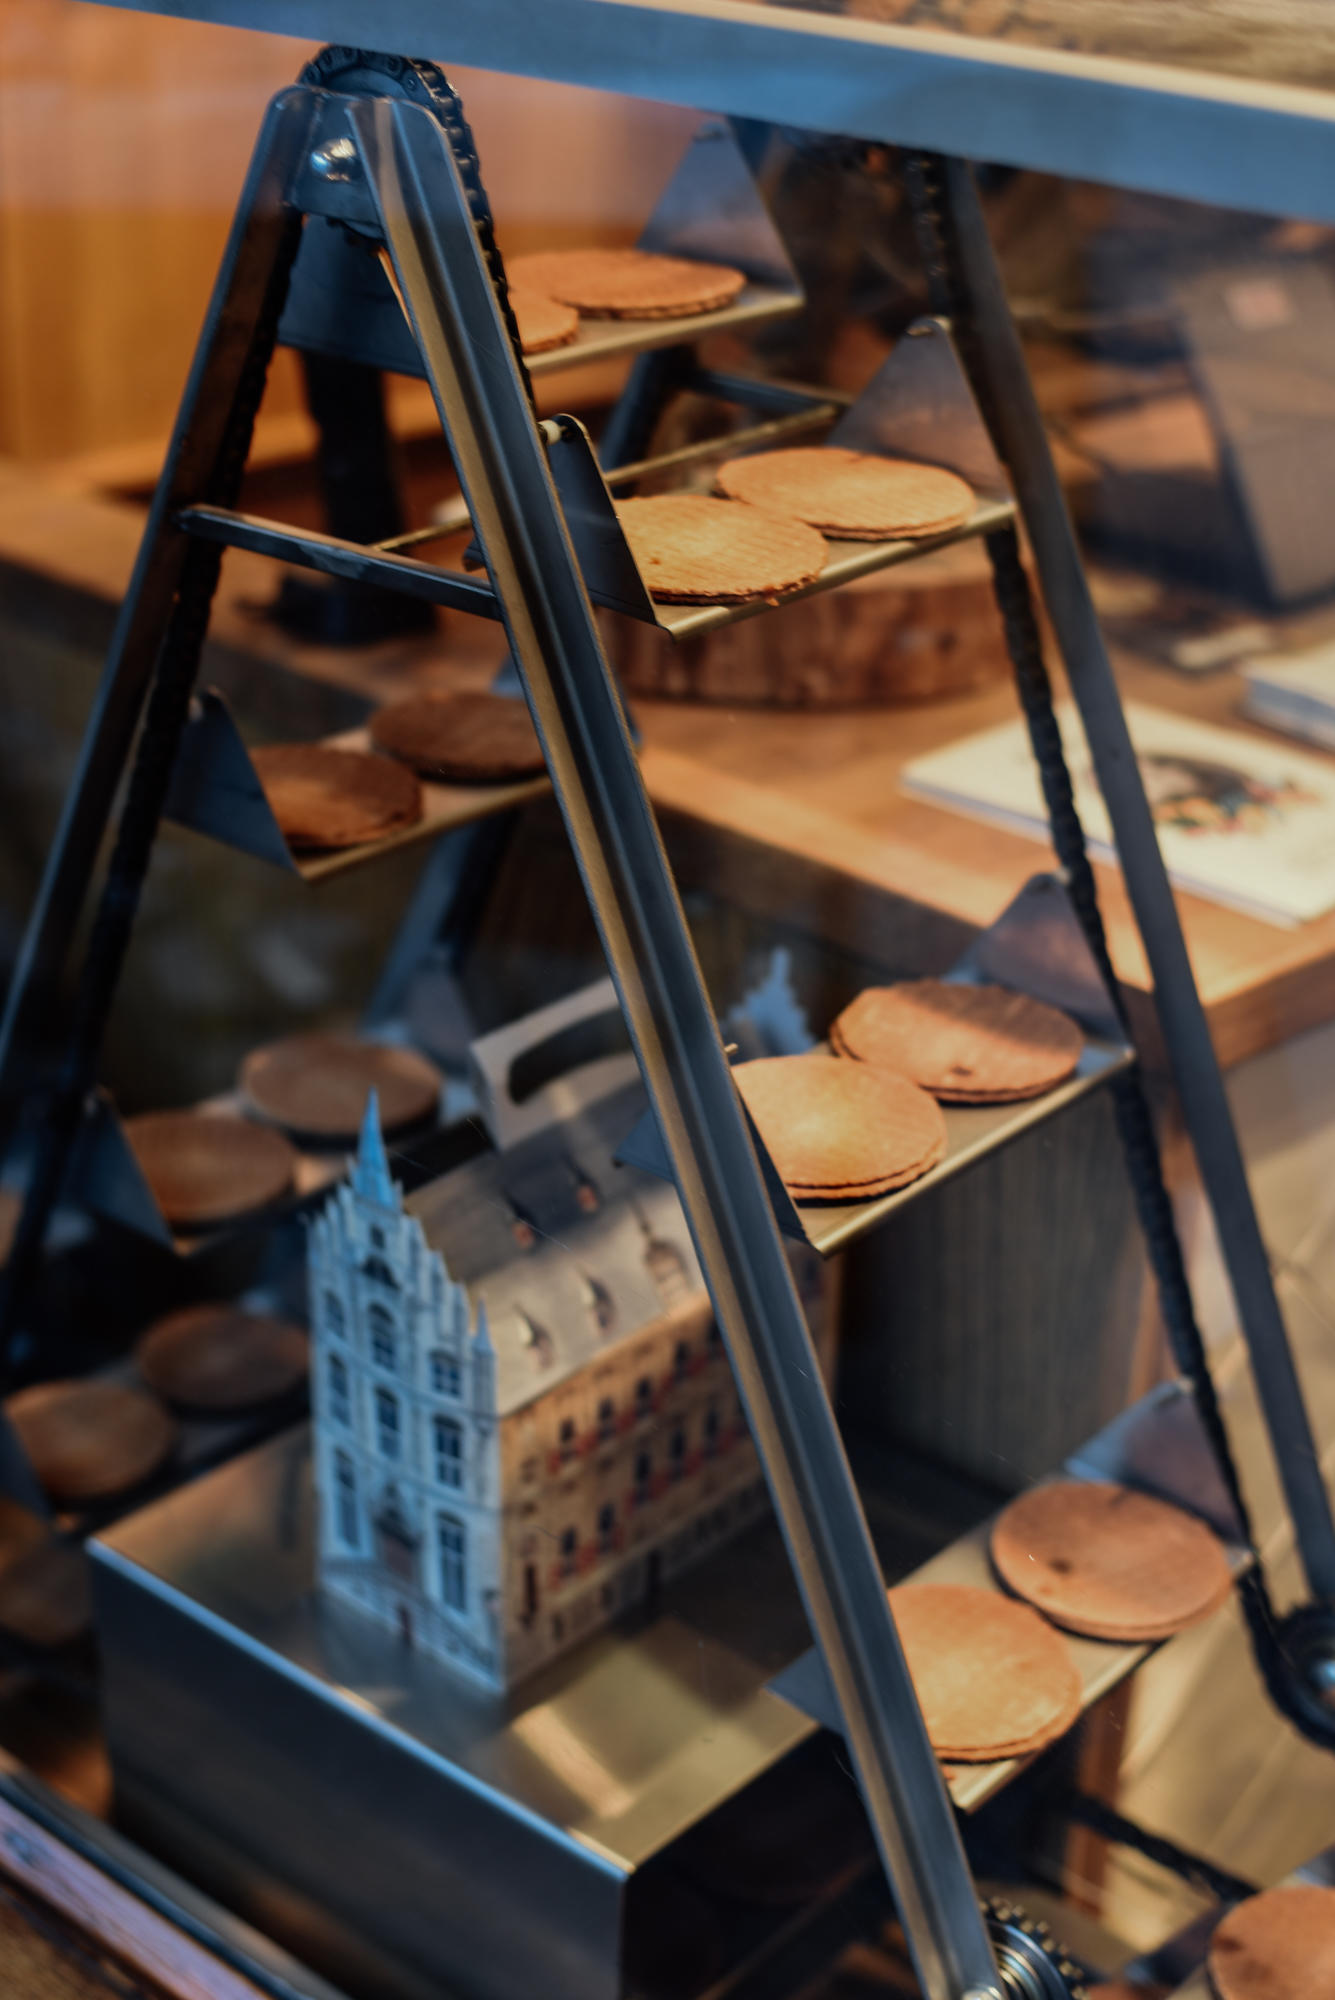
[808,820]
[126,1948]
[795,815]
[1275,41]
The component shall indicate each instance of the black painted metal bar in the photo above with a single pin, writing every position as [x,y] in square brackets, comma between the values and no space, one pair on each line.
[1022,442]
[353,560]
[193,454]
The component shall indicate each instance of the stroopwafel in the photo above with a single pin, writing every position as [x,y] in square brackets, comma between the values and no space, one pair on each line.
[690,547]
[323,797]
[543,322]
[89,1440]
[205,1171]
[839,1131]
[11,1208]
[21,1531]
[966,1044]
[46,1594]
[220,1357]
[627,284]
[992,1679]
[1279,1945]
[468,738]
[1109,1562]
[316,1086]
[856,496]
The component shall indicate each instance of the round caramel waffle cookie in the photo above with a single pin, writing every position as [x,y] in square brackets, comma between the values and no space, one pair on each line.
[856,496]
[1276,1946]
[90,1440]
[543,323]
[698,550]
[21,1531]
[467,738]
[316,1086]
[218,1357]
[992,1679]
[1109,1562]
[11,1208]
[627,284]
[204,1171]
[966,1044]
[46,1595]
[322,797]
[840,1131]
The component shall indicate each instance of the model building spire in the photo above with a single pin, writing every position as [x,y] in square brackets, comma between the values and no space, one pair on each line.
[371,1176]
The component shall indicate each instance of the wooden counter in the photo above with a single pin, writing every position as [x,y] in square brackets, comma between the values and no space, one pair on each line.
[805,818]
[795,815]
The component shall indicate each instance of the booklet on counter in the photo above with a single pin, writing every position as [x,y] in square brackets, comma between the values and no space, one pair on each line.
[1295,692]
[1242,821]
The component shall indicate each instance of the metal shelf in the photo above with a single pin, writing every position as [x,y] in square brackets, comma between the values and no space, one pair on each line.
[216,792]
[1157,1445]
[609,340]
[972,1132]
[1034,946]
[845,563]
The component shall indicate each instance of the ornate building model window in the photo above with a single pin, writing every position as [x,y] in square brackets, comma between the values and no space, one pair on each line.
[491,1504]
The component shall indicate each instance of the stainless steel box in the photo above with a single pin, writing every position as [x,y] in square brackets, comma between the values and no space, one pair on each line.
[380,1817]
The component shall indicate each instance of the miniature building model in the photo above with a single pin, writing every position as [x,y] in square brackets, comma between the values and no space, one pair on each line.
[524,1415]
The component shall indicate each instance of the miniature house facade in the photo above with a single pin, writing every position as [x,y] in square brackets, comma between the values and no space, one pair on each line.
[523,1414]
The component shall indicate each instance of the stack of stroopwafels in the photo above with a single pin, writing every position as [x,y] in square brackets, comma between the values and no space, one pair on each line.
[966,1044]
[690,548]
[1279,1945]
[222,1358]
[463,736]
[992,1679]
[315,1087]
[856,496]
[206,1170]
[626,284]
[839,1131]
[1109,1562]
[89,1440]
[324,797]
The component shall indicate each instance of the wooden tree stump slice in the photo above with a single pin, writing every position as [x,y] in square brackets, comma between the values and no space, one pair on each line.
[924,631]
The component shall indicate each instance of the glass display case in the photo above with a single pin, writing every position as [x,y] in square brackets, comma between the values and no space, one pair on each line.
[668,894]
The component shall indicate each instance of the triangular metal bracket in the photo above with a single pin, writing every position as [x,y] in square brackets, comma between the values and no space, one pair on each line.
[106,1178]
[1159,1445]
[605,561]
[1037,946]
[919,405]
[713,210]
[215,790]
[643,1147]
[340,303]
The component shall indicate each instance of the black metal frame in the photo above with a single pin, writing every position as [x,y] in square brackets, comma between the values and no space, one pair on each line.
[400,176]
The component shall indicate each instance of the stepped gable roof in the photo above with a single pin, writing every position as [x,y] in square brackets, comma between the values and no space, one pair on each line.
[587,1281]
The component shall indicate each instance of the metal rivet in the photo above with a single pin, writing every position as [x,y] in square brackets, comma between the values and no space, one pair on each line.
[335,162]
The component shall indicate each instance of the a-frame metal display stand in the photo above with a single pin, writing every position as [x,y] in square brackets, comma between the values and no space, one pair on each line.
[382,149]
